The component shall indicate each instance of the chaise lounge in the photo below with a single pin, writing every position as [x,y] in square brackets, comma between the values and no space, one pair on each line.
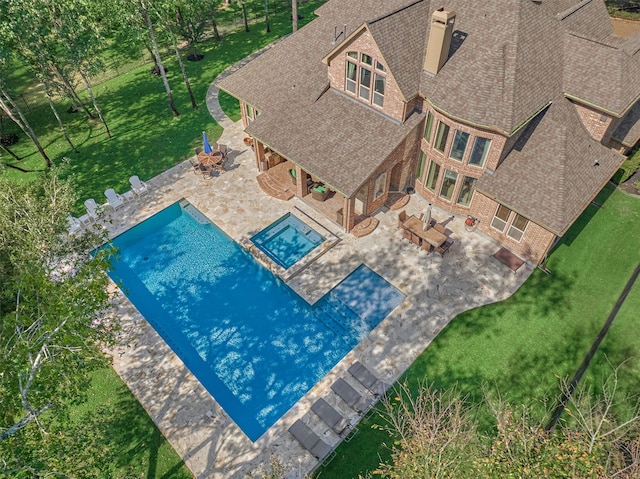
[367,379]
[310,440]
[353,398]
[330,416]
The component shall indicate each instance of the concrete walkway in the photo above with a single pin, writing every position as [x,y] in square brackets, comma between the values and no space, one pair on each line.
[436,288]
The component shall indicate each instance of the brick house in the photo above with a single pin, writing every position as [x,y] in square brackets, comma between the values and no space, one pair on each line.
[513,111]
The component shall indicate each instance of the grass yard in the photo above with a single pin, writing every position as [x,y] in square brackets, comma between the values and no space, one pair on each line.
[521,346]
[147,139]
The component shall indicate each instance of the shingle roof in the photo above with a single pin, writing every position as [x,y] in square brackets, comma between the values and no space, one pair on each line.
[603,73]
[507,67]
[338,140]
[400,36]
[628,130]
[588,19]
[550,176]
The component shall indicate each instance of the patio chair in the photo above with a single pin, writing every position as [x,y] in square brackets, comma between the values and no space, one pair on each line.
[330,416]
[198,150]
[367,378]
[428,247]
[440,228]
[75,224]
[310,440]
[415,239]
[138,187]
[224,149]
[353,398]
[402,217]
[444,248]
[406,234]
[93,210]
[114,199]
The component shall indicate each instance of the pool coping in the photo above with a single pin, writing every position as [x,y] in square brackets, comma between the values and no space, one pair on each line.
[436,289]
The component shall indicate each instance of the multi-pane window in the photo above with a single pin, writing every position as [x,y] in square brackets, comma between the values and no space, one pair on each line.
[501,217]
[448,184]
[442,133]
[466,192]
[378,89]
[248,112]
[459,145]
[365,83]
[360,79]
[350,82]
[432,176]
[429,127]
[479,151]
[421,162]
[516,230]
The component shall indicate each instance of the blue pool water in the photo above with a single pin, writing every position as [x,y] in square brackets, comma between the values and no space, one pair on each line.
[252,342]
[287,240]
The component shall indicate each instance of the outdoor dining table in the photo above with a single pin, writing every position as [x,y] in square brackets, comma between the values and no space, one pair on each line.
[431,236]
[210,159]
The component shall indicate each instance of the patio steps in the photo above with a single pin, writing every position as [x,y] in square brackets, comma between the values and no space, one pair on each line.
[269,184]
[339,319]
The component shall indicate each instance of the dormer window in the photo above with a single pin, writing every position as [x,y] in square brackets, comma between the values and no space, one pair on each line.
[361,78]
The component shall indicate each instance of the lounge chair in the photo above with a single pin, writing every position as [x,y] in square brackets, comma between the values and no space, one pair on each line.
[367,379]
[114,199]
[93,210]
[138,187]
[330,416]
[75,224]
[310,440]
[353,398]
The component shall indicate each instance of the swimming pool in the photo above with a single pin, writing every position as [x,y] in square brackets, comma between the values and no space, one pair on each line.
[252,342]
[287,240]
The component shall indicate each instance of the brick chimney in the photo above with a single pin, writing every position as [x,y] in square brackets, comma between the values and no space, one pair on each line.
[439,39]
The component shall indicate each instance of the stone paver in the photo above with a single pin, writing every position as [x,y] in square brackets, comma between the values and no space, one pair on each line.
[437,289]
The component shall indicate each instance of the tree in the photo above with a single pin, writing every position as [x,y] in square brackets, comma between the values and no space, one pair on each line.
[53,313]
[294,14]
[436,434]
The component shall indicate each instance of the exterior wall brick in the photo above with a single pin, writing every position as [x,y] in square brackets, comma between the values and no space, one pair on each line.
[462,168]
[533,245]
[394,104]
[596,122]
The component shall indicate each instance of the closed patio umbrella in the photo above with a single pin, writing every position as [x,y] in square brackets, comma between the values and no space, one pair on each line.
[427,218]
[207,147]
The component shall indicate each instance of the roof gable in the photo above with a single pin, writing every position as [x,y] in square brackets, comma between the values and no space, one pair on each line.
[551,175]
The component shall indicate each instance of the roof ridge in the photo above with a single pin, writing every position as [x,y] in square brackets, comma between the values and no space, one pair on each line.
[386,15]
[575,8]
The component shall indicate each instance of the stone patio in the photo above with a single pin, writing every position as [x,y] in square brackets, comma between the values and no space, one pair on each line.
[436,288]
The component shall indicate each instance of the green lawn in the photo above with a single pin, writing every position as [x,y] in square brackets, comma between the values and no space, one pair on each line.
[521,346]
[147,139]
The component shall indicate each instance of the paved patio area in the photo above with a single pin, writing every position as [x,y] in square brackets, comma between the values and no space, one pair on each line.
[437,289]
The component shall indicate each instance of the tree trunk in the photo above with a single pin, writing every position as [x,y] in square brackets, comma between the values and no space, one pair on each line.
[294,14]
[153,57]
[93,100]
[266,14]
[156,52]
[194,105]
[216,33]
[71,92]
[244,16]
[60,124]
[13,112]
